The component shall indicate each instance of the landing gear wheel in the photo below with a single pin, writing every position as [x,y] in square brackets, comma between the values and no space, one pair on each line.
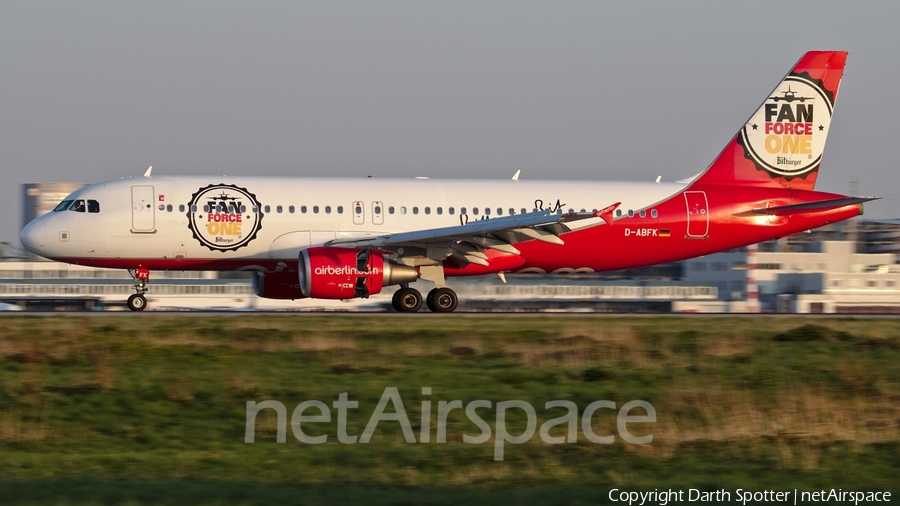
[407,300]
[442,300]
[429,301]
[141,277]
[137,302]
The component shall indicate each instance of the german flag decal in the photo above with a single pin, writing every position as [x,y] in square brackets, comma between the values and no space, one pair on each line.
[665,232]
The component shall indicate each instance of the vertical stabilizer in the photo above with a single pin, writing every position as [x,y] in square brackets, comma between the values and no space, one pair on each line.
[782,143]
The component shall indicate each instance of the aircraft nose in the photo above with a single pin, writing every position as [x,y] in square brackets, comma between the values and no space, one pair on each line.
[34,236]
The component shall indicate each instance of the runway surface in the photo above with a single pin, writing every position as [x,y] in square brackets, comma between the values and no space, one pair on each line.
[425,314]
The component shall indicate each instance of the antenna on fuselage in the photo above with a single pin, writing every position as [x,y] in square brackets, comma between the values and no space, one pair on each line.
[149,170]
[516,175]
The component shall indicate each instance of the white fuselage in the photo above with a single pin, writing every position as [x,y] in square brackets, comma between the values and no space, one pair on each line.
[302,212]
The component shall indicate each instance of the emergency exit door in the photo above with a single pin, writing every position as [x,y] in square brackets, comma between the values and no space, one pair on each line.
[359,213]
[142,212]
[697,214]
[378,213]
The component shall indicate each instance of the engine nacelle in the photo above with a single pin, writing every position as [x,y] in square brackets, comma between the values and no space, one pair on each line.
[345,273]
[277,285]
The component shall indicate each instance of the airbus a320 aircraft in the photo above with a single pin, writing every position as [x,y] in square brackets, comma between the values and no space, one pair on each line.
[339,238]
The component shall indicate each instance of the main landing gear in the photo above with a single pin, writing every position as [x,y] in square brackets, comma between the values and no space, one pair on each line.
[137,301]
[439,300]
[442,300]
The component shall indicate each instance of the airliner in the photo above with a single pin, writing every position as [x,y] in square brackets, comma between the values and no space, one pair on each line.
[342,238]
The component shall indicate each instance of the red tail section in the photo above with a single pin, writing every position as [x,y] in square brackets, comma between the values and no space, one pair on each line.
[781,145]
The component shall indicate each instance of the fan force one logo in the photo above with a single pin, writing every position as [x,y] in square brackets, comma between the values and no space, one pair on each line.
[787,134]
[224,217]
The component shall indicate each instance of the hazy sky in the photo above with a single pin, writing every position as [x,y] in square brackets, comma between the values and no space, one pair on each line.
[574,90]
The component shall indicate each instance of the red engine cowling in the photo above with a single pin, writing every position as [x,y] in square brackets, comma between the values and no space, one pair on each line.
[277,285]
[345,273]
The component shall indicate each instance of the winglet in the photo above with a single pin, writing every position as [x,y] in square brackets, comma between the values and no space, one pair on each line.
[607,213]
[516,175]
[149,170]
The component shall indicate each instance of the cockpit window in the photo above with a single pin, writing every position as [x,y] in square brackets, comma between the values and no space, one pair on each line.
[77,206]
[93,206]
[62,206]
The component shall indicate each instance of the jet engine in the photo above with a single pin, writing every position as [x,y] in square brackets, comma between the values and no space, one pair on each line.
[346,273]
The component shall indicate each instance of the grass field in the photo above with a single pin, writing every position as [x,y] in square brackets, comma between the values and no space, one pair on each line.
[151,410]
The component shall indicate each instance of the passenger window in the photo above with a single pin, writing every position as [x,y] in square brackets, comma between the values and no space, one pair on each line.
[451,210]
[62,206]
[168,208]
[630,213]
[512,211]
[618,212]
[267,208]
[181,208]
[278,209]
[357,209]
[499,211]
[653,213]
[487,211]
[327,209]
[415,210]
[340,209]
[378,209]
[291,209]
[303,209]
[643,213]
[427,210]
[315,209]
[243,209]
[440,210]
[475,211]
[462,210]
[524,211]
[391,210]
[94,206]
[402,209]
[77,206]
[205,208]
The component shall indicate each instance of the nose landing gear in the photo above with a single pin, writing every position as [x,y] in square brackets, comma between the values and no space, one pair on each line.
[137,301]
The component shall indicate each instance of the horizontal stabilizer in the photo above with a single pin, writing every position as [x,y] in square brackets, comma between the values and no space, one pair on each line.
[812,207]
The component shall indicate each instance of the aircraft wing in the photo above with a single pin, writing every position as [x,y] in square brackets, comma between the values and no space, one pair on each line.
[466,243]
